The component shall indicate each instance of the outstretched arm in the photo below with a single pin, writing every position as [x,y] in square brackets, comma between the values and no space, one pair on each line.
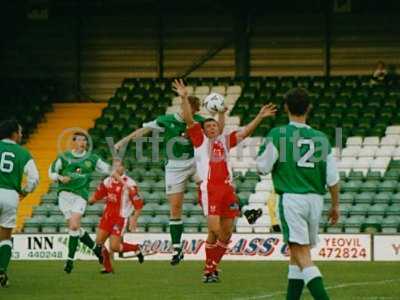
[133,135]
[221,119]
[179,87]
[266,111]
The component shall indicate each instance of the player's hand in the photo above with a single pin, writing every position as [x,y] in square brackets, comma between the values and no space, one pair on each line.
[179,87]
[268,110]
[64,179]
[223,111]
[132,225]
[333,215]
[119,145]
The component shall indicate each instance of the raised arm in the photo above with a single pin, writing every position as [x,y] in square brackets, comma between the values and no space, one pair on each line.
[140,132]
[221,119]
[179,87]
[266,111]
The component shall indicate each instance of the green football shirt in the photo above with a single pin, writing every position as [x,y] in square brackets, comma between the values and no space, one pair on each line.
[177,146]
[79,169]
[13,159]
[299,158]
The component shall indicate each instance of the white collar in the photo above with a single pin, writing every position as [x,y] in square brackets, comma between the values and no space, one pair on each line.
[8,141]
[179,117]
[76,154]
[298,124]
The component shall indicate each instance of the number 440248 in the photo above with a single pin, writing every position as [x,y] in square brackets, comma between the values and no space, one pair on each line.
[45,254]
[343,252]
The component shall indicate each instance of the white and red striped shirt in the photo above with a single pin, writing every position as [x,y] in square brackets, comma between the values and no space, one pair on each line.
[211,155]
[121,197]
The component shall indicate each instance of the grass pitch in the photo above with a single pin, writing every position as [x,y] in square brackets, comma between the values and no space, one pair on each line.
[158,280]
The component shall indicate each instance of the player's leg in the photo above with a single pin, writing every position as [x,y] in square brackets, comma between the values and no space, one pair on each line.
[8,214]
[101,237]
[78,209]
[175,180]
[117,243]
[295,280]
[311,275]
[175,222]
[224,237]
[5,254]
[302,253]
[74,223]
[213,223]
[294,214]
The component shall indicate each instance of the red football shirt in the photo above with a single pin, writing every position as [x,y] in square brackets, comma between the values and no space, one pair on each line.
[121,197]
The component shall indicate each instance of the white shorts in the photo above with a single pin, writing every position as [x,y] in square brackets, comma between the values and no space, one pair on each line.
[300,215]
[177,174]
[71,203]
[9,200]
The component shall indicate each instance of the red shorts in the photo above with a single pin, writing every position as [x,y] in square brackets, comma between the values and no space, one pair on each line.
[113,225]
[219,200]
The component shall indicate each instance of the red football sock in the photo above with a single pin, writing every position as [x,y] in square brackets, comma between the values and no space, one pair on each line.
[126,247]
[106,259]
[210,258]
[220,250]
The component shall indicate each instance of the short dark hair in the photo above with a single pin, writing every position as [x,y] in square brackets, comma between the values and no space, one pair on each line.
[297,101]
[8,128]
[79,133]
[208,120]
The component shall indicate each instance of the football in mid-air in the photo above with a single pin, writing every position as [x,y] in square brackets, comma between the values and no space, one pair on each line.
[214,103]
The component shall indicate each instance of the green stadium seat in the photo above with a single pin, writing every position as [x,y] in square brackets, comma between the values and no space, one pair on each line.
[191,224]
[352,186]
[345,198]
[364,197]
[243,198]
[370,186]
[94,210]
[392,174]
[42,210]
[359,210]
[162,210]
[196,211]
[393,210]
[148,209]
[373,176]
[33,225]
[382,198]
[388,186]
[190,197]
[395,198]
[50,224]
[372,224]
[377,209]
[142,222]
[353,224]
[157,224]
[49,198]
[89,223]
[391,224]
[356,175]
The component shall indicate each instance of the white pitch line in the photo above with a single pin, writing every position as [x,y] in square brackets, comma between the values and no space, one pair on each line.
[333,287]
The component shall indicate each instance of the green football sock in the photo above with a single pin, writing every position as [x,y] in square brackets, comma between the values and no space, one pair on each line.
[315,284]
[295,283]
[86,239]
[295,289]
[175,230]
[5,254]
[73,243]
